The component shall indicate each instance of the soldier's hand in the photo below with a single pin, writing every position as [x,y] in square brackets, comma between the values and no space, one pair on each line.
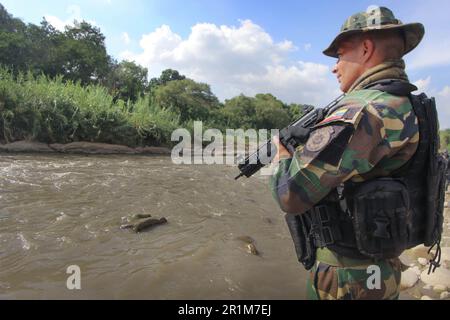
[282,152]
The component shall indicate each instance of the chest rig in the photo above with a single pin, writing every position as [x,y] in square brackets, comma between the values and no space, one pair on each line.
[382,217]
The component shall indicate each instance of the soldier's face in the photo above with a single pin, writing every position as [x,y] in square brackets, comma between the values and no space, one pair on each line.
[350,63]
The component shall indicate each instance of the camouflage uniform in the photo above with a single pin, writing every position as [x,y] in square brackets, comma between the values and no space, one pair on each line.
[370,134]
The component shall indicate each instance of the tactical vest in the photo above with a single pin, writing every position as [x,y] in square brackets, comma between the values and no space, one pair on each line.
[380,218]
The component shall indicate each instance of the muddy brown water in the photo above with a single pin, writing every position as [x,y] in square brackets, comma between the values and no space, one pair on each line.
[62,210]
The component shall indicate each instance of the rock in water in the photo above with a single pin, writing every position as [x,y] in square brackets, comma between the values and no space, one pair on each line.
[126,226]
[249,244]
[246,239]
[444,295]
[425,298]
[142,216]
[141,226]
[252,249]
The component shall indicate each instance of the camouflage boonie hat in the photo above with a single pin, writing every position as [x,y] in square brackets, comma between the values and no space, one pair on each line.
[377,18]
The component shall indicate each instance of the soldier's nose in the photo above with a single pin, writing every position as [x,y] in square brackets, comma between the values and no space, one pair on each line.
[334,70]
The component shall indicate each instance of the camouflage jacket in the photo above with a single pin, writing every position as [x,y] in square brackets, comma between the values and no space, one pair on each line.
[369,135]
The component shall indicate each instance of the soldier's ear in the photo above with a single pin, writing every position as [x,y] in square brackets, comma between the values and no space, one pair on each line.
[368,46]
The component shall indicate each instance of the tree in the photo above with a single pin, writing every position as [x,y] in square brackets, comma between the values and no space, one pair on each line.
[13,43]
[81,54]
[295,110]
[192,100]
[127,80]
[166,76]
[264,111]
[240,112]
[270,113]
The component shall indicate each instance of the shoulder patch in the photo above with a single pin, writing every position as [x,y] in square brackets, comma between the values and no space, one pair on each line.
[347,114]
[319,139]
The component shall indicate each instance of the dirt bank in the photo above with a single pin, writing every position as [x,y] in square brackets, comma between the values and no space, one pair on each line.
[80,148]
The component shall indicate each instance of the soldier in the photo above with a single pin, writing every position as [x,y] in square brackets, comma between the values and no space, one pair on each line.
[371,133]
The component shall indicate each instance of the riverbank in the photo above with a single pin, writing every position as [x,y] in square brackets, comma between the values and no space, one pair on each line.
[80,148]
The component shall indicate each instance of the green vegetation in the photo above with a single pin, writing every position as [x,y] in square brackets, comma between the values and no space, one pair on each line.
[59,87]
[41,109]
[445,139]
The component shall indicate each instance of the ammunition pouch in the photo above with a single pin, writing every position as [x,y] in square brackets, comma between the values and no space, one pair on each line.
[380,209]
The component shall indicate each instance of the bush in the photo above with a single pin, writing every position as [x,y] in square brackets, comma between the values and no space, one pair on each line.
[54,111]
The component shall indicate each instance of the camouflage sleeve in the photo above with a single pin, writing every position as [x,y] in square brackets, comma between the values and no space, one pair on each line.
[347,143]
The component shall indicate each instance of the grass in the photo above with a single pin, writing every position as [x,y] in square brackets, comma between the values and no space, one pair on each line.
[54,111]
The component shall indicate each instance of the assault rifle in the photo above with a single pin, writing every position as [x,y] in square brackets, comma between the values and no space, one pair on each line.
[290,137]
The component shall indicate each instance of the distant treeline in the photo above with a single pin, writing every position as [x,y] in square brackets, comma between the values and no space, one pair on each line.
[445,140]
[63,86]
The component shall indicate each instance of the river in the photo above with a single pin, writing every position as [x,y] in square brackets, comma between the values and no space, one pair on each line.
[63,210]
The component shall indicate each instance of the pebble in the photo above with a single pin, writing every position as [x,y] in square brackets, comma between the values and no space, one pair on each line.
[420,251]
[444,295]
[422,261]
[441,276]
[439,288]
[416,270]
[425,298]
[427,287]
[409,279]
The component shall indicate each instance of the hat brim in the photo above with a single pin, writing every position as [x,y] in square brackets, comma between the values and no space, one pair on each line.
[413,32]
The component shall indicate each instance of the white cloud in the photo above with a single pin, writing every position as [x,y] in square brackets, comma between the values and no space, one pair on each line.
[74,12]
[423,84]
[125,38]
[234,60]
[434,50]
[445,92]
[442,98]
[430,54]
[443,107]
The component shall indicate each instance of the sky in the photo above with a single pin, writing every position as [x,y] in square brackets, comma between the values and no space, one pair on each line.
[251,46]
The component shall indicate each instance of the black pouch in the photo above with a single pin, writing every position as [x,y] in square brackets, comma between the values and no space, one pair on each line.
[380,210]
[299,226]
[436,182]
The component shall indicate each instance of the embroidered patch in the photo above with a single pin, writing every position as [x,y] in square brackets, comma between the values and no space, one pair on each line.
[335,116]
[344,114]
[319,139]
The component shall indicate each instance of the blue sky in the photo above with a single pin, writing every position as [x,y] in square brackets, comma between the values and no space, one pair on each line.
[250,46]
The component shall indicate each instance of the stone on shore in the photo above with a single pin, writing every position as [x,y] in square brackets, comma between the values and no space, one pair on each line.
[439,288]
[80,147]
[92,148]
[422,261]
[444,295]
[425,298]
[25,146]
[409,279]
[440,276]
